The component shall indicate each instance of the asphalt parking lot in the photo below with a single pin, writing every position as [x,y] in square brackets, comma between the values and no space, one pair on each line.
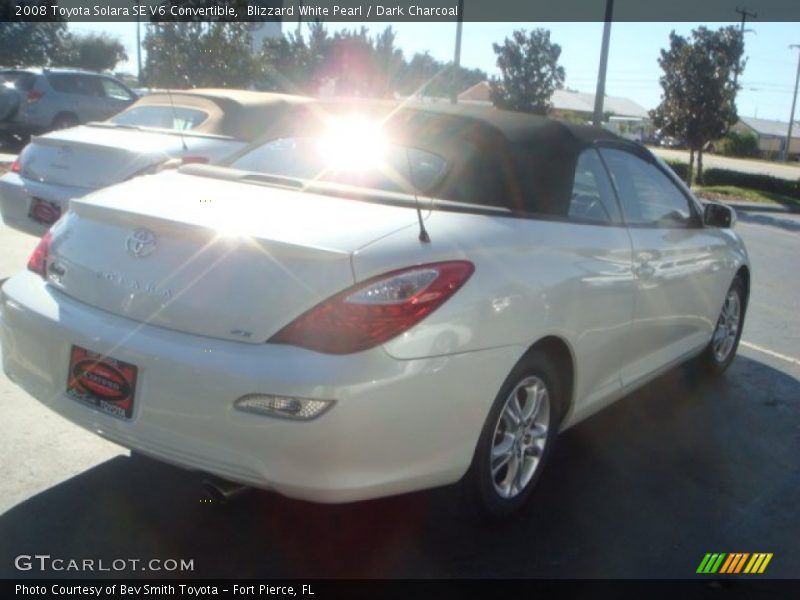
[644,489]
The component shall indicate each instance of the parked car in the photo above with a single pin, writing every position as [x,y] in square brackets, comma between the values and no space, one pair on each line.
[376,300]
[670,142]
[34,100]
[203,125]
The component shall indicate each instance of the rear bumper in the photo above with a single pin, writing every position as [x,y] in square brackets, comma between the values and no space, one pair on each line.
[396,425]
[17,193]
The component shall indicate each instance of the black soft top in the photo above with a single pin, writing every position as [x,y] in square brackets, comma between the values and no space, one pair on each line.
[522,162]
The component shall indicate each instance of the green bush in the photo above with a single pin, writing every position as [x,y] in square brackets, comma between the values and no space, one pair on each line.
[753,181]
[737,143]
[681,168]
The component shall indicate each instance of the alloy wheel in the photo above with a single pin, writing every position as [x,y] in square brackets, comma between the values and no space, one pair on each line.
[727,327]
[520,436]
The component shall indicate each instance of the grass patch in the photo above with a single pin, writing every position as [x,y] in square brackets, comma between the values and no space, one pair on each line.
[734,193]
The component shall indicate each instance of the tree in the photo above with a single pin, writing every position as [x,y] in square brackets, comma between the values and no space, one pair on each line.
[288,65]
[356,63]
[741,144]
[530,73]
[33,42]
[194,54]
[698,103]
[425,75]
[92,51]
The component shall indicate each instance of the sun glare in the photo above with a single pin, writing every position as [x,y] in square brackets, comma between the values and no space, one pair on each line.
[353,143]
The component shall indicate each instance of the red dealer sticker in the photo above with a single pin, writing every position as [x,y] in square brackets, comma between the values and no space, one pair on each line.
[102,381]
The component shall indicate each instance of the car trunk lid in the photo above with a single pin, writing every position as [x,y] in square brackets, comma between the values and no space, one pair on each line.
[95,157]
[211,257]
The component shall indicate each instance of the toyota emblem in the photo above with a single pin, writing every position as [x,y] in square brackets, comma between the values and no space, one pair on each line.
[141,243]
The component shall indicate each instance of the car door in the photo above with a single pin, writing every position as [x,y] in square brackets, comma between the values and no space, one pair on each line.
[679,266]
[603,245]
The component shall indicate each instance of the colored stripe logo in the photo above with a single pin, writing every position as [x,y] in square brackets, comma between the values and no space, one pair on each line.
[733,563]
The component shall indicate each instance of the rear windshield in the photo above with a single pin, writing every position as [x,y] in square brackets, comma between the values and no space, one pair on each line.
[179,118]
[306,157]
[19,79]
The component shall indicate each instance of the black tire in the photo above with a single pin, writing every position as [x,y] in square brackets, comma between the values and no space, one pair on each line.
[65,121]
[482,484]
[711,361]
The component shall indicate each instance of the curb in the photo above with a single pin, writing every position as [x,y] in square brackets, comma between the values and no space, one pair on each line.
[756,207]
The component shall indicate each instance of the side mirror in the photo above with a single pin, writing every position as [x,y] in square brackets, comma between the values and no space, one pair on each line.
[720,215]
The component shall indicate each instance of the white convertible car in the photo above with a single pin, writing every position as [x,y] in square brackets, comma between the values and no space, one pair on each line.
[189,126]
[376,300]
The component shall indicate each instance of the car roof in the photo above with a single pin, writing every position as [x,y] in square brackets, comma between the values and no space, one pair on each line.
[517,126]
[241,114]
[528,161]
[500,158]
[246,97]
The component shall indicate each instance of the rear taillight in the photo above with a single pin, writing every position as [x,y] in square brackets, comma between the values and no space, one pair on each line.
[34,96]
[377,310]
[16,167]
[38,260]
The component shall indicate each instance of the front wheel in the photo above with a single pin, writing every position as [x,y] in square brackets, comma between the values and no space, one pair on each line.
[721,349]
[517,437]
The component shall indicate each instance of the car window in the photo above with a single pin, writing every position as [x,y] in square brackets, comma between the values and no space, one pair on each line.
[21,80]
[647,195]
[483,179]
[161,117]
[300,158]
[592,195]
[86,85]
[66,84]
[114,90]
[71,83]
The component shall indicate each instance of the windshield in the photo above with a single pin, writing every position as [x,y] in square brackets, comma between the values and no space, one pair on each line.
[388,167]
[179,118]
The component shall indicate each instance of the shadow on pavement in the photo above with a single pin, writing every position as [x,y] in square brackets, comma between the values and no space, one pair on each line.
[643,489]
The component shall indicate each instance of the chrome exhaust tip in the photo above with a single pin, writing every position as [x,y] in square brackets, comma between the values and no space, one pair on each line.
[221,490]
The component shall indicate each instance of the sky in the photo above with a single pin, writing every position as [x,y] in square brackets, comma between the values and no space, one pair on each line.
[633,71]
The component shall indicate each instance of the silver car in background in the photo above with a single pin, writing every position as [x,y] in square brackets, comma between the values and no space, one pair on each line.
[190,126]
[34,100]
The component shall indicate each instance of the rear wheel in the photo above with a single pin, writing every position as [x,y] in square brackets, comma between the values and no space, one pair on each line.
[721,349]
[516,439]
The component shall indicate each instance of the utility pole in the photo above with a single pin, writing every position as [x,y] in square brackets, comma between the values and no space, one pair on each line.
[138,46]
[299,21]
[794,103]
[600,93]
[457,55]
[745,14]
